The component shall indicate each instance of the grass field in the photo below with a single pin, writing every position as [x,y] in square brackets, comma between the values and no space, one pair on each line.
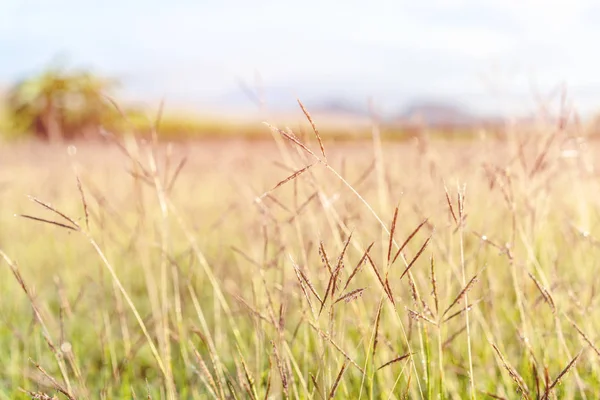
[429,269]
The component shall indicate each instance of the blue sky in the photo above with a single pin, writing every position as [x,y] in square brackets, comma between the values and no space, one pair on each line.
[488,55]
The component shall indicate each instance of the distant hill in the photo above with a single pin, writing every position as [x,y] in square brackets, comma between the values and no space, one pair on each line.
[338,107]
[281,101]
[437,113]
[431,113]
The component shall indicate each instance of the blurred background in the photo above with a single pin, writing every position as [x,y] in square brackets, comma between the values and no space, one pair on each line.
[221,66]
[157,268]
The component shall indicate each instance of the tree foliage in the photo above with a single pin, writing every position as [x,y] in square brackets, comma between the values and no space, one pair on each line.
[60,104]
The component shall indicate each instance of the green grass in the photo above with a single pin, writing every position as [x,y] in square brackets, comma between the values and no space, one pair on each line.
[196,289]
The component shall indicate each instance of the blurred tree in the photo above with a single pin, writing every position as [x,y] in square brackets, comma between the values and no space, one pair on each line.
[60,104]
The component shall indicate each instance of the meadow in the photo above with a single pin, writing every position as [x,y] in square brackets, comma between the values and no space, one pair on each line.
[302,267]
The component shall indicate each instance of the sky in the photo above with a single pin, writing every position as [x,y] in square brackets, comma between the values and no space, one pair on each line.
[489,56]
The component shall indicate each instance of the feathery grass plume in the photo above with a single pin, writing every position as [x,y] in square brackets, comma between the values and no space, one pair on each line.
[83,202]
[331,285]
[209,381]
[536,378]
[238,385]
[562,373]
[343,253]
[392,230]
[302,282]
[544,292]
[17,274]
[584,336]
[518,379]
[220,372]
[270,307]
[178,169]
[302,207]
[389,290]
[434,291]
[528,230]
[338,379]
[416,257]
[316,385]
[460,194]
[39,319]
[381,281]
[111,270]
[72,224]
[417,316]
[289,178]
[324,257]
[462,310]
[282,370]
[67,351]
[348,297]
[408,239]
[332,277]
[413,291]
[38,395]
[485,239]
[539,161]
[462,293]
[358,265]
[340,265]
[281,324]
[233,389]
[327,337]
[303,279]
[546,383]
[277,202]
[309,284]
[54,210]
[293,139]
[55,385]
[314,127]
[292,379]
[395,360]
[420,301]
[254,311]
[450,205]
[376,334]
[47,221]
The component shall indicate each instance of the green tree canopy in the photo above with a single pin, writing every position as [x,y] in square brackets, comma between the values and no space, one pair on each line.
[60,104]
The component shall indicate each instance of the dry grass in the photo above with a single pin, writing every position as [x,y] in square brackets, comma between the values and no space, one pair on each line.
[302,268]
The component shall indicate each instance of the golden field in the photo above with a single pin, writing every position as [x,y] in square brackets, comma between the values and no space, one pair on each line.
[295,268]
